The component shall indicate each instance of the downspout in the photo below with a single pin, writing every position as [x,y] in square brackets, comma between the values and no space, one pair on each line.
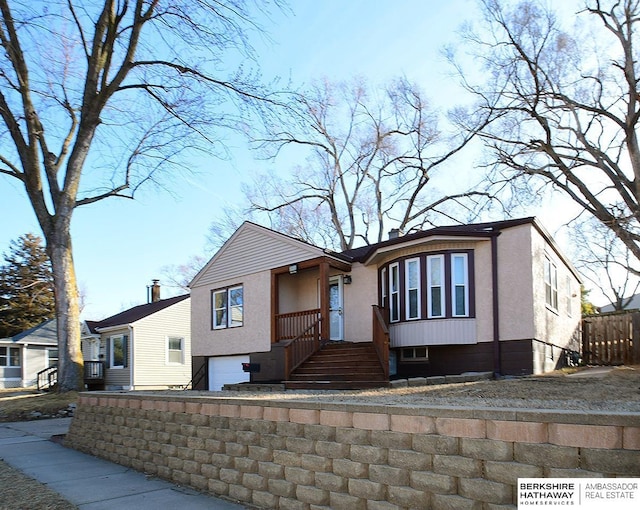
[497,368]
[130,356]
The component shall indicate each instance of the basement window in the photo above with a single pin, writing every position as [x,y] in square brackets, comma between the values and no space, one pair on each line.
[414,354]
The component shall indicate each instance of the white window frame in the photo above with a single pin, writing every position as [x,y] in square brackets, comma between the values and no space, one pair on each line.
[170,350]
[441,285]
[394,292]
[233,312]
[464,284]
[408,264]
[383,278]
[49,357]
[415,355]
[550,284]
[569,290]
[112,339]
[8,357]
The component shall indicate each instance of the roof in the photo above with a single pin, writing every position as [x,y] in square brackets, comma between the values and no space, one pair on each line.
[633,304]
[44,333]
[134,314]
[486,229]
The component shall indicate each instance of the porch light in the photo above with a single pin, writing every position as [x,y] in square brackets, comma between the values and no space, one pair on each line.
[293,268]
[346,279]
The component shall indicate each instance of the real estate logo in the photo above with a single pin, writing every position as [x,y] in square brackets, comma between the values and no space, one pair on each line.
[579,493]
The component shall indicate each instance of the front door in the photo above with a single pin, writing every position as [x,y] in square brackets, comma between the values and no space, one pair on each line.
[336,312]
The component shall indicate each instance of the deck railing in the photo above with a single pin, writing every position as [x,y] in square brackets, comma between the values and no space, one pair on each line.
[381,338]
[47,378]
[290,325]
[93,371]
[302,347]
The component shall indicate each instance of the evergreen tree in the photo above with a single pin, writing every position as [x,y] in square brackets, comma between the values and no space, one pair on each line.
[26,286]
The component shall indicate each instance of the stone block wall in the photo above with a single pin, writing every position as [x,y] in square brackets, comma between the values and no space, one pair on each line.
[324,455]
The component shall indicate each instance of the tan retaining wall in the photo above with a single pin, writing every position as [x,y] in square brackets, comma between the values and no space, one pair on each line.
[311,455]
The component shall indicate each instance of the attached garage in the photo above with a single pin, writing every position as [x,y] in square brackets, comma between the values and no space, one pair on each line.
[227,370]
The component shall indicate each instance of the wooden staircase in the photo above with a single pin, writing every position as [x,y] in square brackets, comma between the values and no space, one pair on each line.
[340,366]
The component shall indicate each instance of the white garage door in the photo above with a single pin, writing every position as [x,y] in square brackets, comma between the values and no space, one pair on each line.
[227,370]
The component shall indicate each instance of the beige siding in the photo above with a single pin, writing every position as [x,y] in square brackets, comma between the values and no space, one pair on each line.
[116,377]
[255,333]
[149,347]
[433,332]
[250,250]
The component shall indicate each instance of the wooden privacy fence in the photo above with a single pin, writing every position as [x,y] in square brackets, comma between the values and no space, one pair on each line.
[612,339]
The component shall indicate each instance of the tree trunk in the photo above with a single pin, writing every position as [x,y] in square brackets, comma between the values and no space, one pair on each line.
[71,365]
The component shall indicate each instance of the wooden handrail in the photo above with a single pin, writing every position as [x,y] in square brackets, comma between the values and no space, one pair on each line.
[302,347]
[289,325]
[381,339]
[47,378]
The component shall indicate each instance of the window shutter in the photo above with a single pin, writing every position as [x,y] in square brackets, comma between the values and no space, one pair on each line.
[125,350]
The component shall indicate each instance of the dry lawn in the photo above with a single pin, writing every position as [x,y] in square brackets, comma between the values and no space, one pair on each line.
[23,404]
[19,492]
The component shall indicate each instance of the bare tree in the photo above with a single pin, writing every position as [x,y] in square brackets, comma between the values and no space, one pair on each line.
[98,98]
[368,159]
[603,260]
[561,94]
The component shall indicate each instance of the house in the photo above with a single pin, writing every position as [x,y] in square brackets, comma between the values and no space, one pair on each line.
[631,303]
[497,296]
[145,347]
[25,354]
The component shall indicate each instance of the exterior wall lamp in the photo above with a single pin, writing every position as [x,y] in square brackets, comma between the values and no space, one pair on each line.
[346,279]
[293,268]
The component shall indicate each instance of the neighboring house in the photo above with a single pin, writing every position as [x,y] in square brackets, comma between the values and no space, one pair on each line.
[496,296]
[632,303]
[25,354]
[145,347]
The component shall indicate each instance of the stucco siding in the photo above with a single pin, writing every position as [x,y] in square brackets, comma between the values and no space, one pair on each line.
[151,367]
[359,298]
[555,326]
[250,250]
[515,283]
[255,333]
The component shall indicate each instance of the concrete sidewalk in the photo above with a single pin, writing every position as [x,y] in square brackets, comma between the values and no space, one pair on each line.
[89,482]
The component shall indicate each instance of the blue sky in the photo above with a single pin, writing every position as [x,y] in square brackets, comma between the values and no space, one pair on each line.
[121,245]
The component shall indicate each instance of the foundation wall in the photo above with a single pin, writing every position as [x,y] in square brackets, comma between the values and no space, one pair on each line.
[312,456]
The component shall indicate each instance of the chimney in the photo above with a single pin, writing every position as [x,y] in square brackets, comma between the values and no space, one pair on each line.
[155,291]
[394,233]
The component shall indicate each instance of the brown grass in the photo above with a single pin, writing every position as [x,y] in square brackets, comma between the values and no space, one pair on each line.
[22,404]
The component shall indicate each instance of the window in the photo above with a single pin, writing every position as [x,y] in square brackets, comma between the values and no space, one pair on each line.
[550,284]
[118,351]
[414,354]
[412,279]
[394,290]
[459,285]
[383,281]
[175,350]
[569,295]
[9,356]
[435,291]
[52,357]
[228,307]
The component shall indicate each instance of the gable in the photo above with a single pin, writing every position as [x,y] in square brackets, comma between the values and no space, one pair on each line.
[252,249]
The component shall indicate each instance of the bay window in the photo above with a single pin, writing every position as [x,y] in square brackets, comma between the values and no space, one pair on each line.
[412,279]
[459,285]
[429,286]
[394,292]
[435,292]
